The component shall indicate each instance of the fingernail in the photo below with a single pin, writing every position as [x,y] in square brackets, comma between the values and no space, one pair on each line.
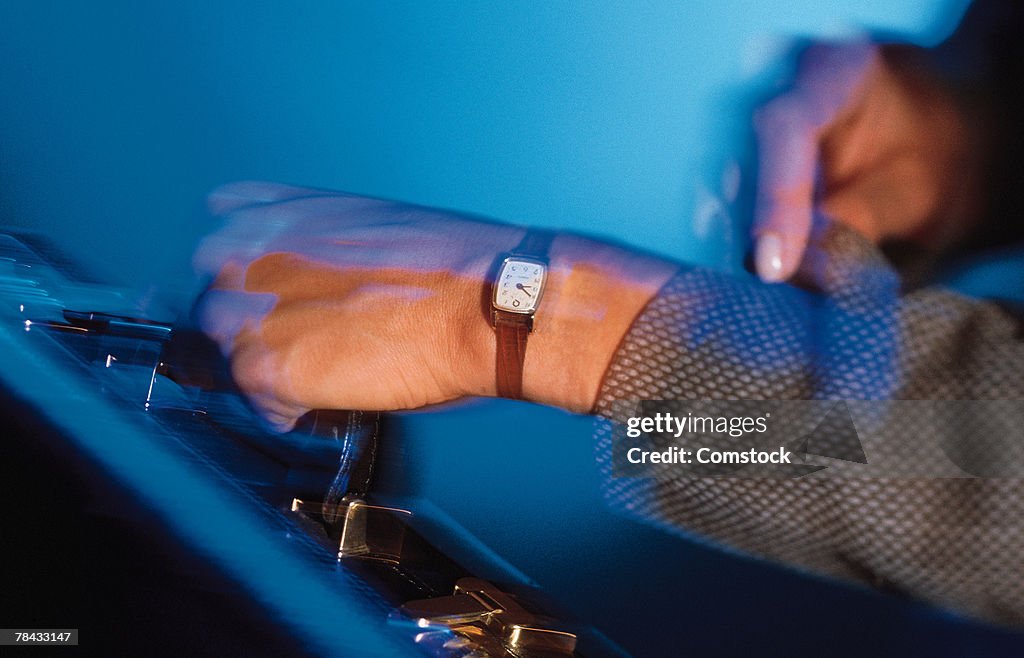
[768,258]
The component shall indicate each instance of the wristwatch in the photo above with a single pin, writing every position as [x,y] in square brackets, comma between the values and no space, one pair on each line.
[516,293]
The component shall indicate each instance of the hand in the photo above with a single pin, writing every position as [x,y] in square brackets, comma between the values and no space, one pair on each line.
[323,300]
[866,136]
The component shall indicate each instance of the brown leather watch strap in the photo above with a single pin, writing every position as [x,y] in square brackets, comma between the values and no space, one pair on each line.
[535,243]
[512,330]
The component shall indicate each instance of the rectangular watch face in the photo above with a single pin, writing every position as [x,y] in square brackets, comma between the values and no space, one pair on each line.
[519,285]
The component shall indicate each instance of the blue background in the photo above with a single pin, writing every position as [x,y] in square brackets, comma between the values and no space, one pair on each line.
[117,118]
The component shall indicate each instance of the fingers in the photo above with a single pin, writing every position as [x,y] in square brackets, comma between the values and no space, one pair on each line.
[259,374]
[295,223]
[276,416]
[231,245]
[232,198]
[242,194]
[263,219]
[227,316]
[789,130]
[224,314]
[787,161]
[830,75]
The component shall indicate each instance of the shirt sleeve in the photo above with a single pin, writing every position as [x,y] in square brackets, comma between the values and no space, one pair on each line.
[848,332]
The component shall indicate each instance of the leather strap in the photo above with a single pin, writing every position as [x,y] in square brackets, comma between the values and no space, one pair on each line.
[513,329]
[535,244]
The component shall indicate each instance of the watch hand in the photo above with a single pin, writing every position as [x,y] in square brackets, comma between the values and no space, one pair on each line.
[523,288]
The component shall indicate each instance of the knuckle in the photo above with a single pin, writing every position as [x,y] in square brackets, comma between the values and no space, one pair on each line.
[251,368]
[288,385]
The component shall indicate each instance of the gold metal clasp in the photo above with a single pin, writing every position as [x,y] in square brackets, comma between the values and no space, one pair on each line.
[371,532]
[477,618]
[483,614]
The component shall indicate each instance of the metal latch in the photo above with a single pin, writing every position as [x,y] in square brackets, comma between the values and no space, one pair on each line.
[493,620]
[371,532]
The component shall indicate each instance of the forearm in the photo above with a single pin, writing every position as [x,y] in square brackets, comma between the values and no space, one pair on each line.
[891,522]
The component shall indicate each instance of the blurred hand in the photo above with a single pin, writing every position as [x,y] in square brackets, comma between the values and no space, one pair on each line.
[866,137]
[323,300]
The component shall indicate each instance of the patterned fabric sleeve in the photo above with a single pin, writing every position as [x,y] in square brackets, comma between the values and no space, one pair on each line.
[847,333]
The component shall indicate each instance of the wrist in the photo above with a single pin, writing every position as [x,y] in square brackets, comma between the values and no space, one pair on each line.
[594,293]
